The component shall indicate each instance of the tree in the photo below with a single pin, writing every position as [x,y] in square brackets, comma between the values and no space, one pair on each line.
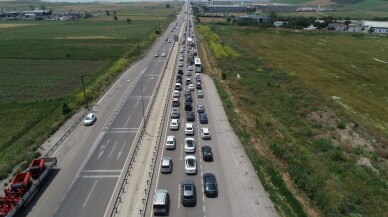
[371,30]
[107,13]
[114,13]
[168,6]
[65,109]
[129,20]
[115,17]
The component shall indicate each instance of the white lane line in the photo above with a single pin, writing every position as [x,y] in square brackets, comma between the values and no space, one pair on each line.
[179,194]
[124,128]
[129,116]
[181,151]
[112,150]
[90,193]
[121,150]
[102,171]
[102,149]
[118,132]
[99,176]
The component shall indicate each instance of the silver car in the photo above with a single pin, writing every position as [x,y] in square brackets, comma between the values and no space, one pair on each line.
[166,165]
[200,108]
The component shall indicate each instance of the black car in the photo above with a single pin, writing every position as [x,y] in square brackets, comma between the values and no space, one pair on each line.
[188,106]
[210,185]
[180,71]
[207,153]
[199,85]
[203,118]
[188,193]
[179,80]
[190,116]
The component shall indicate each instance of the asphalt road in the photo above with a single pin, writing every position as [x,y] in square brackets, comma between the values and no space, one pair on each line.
[91,160]
[239,190]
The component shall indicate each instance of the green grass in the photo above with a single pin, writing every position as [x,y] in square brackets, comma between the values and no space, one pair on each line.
[41,61]
[285,77]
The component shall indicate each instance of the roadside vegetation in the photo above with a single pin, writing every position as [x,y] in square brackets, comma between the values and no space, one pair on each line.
[42,61]
[310,110]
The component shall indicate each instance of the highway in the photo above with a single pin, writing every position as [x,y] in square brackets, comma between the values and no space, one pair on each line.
[239,190]
[91,160]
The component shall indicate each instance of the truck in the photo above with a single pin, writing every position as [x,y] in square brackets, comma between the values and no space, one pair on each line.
[25,185]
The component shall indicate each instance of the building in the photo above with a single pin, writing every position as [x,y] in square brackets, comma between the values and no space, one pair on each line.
[226,8]
[278,23]
[275,7]
[337,26]
[259,19]
[377,26]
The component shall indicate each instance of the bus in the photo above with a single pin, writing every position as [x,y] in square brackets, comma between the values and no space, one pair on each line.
[197,65]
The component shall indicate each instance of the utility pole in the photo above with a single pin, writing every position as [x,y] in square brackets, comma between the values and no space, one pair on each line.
[138,46]
[83,86]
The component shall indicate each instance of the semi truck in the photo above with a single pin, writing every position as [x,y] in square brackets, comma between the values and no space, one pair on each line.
[25,185]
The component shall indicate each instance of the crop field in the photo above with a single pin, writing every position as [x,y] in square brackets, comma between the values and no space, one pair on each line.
[310,109]
[41,62]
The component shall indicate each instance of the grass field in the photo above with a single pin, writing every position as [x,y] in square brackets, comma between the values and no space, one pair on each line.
[41,62]
[297,136]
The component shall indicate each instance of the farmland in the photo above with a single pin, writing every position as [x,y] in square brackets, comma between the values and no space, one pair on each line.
[310,109]
[41,62]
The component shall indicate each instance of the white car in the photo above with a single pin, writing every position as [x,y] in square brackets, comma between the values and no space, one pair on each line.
[90,119]
[175,113]
[191,87]
[189,129]
[197,75]
[180,58]
[156,55]
[190,68]
[180,64]
[181,51]
[169,41]
[163,54]
[190,165]
[176,94]
[174,125]
[205,133]
[189,145]
[170,143]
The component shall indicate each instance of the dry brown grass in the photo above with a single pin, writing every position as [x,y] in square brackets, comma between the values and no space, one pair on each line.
[6,26]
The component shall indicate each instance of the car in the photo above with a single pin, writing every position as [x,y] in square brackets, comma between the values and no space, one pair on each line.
[190,68]
[188,81]
[175,113]
[163,54]
[170,142]
[202,118]
[198,85]
[187,93]
[161,202]
[90,119]
[197,76]
[189,145]
[156,55]
[189,98]
[176,93]
[175,102]
[200,94]
[205,134]
[166,39]
[179,80]
[169,41]
[174,125]
[188,73]
[189,129]
[210,185]
[188,193]
[181,50]
[200,108]
[180,64]
[166,165]
[180,58]
[207,153]
[190,165]
[190,116]
[188,106]
[191,87]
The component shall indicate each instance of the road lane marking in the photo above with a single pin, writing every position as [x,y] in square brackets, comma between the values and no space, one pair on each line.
[102,149]
[181,151]
[124,128]
[122,131]
[121,150]
[90,193]
[102,171]
[100,176]
[112,150]
[179,195]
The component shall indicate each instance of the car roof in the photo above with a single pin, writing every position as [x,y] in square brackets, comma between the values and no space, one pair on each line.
[209,175]
[166,160]
[187,182]
[90,114]
[205,129]
[189,124]
[206,147]
[170,137]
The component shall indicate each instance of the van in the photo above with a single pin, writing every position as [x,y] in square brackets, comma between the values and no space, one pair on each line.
[161,202]
[175,102]
[178,86]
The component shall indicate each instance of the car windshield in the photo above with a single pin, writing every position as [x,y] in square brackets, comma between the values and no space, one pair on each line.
[190,143]
[88,118]
[210,186]
[191,162]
